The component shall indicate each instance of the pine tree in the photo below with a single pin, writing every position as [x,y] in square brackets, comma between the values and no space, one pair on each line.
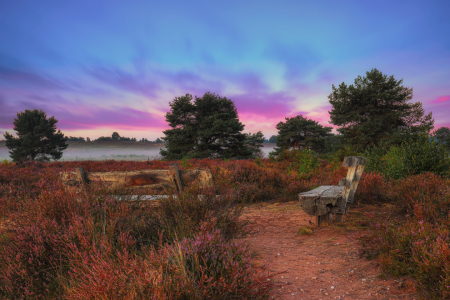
[300,133]
[375,109]
[37,137]
[208,127]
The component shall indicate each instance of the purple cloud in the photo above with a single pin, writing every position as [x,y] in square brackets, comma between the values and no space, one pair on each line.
[126,81]
[272,106]
[30,79]
[119,118]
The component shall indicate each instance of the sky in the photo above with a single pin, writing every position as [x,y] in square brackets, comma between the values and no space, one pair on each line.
[102,66]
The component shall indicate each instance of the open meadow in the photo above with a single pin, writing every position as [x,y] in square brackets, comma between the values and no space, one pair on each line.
[254,242]
[122,150]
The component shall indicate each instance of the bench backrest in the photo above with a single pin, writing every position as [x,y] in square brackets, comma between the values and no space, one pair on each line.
[355,165]
[171,179]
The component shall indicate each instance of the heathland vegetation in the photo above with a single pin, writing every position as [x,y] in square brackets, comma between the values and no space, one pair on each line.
[55,243]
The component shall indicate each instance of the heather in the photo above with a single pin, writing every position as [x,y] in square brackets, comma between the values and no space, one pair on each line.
[56,243]
[415,242]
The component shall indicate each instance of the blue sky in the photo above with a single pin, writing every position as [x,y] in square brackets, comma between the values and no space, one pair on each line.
[104,66]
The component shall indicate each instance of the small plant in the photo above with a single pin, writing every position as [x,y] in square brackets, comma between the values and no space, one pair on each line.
[304,230]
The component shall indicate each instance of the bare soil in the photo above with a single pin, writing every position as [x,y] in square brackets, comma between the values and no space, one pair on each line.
[324,264]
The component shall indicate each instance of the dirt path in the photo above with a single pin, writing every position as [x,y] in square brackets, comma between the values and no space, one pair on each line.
[322,265]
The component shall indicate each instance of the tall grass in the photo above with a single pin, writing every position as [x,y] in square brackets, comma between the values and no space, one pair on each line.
[55,243]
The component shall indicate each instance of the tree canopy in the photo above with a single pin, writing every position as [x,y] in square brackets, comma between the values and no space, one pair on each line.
[209,127]
[374,109]
[300,133]
[37,137]
[273,139]
[443,136]
[115,136]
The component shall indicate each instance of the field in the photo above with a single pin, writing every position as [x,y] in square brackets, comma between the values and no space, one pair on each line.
[108,150]
[55,243]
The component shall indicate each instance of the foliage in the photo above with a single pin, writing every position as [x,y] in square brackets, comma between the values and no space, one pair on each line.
[373,188]
[376,109]
[115,136]
[37,137]
[209,127]
[416,155]
[273,139]
[67,245]
[79,246]
[443,136]
[76,139]
[332,143]
[301,133]
[303,161]
[419,245]
[254,143]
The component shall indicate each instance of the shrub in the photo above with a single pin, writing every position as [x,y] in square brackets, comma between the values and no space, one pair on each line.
[417,155]
[372,188]
[417,249]
[212,268]
[429,190]
[419,245]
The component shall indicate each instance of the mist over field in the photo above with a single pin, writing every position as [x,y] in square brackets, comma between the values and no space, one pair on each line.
[113,150]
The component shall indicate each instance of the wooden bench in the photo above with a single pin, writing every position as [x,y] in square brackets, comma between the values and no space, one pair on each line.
[166,181]
[329,202]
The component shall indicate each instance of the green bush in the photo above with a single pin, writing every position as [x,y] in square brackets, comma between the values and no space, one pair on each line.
[303,161]
[416,155]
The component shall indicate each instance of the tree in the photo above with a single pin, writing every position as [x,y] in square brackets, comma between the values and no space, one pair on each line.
[115,136]
[207,127]
[255,142]
[273,139]
[301,133]
[443,136]
[376,109]
[158,141]
[37,137]
[76,139]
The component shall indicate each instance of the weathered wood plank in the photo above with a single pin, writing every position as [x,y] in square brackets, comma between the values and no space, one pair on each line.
[176,174]
[81,174]
[315,202]
[160,179]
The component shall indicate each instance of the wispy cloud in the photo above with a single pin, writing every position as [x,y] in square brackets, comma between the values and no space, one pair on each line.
[441,99]
[29,79]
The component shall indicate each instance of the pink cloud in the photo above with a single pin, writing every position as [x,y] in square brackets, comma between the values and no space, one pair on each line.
[275,105]
[441,99]
[439,125]
[117,118]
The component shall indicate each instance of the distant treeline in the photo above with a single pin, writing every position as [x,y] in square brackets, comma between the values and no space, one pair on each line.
[272,139]
[114,137]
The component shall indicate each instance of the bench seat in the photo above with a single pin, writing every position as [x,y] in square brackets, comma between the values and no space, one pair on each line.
[319,201]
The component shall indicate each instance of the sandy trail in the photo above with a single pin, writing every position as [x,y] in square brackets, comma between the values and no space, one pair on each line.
[323,265]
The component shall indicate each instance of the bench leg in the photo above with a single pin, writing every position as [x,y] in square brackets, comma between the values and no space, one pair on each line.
[325,218]
[330,218]
[338,217]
